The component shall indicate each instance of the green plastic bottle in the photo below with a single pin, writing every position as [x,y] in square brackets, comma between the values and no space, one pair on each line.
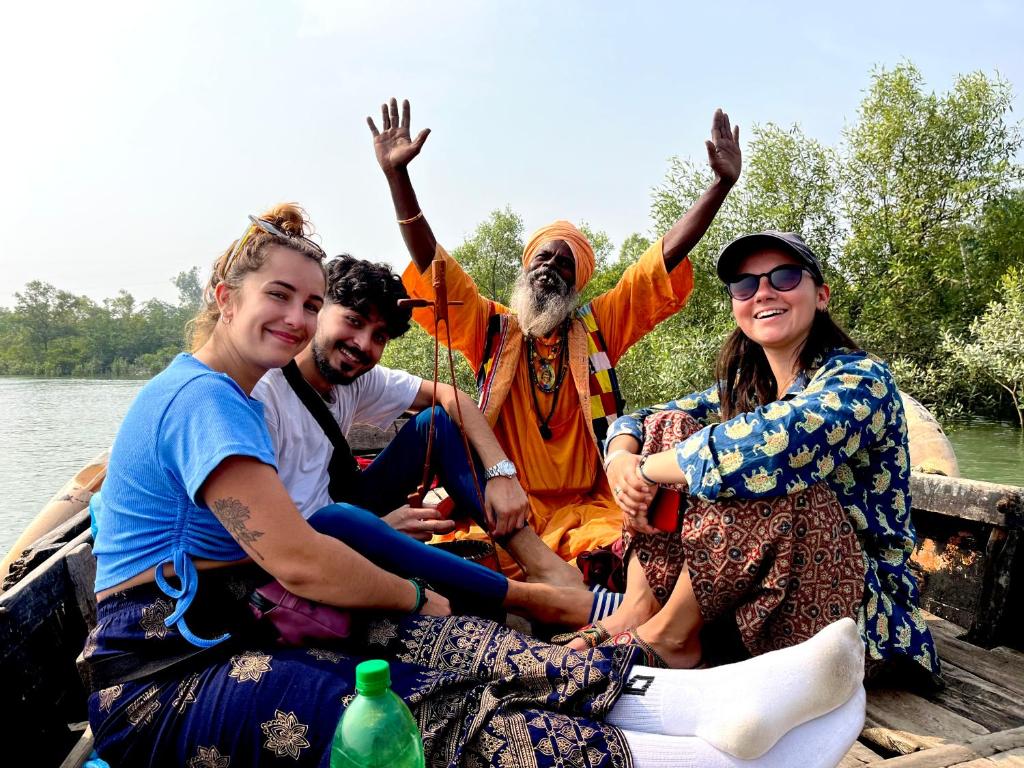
[377,730]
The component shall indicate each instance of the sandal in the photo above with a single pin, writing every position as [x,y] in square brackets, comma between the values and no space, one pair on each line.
[593,635]
[648,656]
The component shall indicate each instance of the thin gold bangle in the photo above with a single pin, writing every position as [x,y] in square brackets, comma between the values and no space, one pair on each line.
[411,219]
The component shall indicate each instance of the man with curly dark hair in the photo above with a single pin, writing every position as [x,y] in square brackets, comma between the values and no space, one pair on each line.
[361,314]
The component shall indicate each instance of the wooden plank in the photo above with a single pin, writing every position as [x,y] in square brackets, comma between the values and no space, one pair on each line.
[1014,758]
[82,574]
[977,699]
[81,751]
[946,756]
[366,439]
[1009,654]
[858,756]
[1005,672]
[991,503]
[903,722]
[995,614]
[1004,668]
[941,627]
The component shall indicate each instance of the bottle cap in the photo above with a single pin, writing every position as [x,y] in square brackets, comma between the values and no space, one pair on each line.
[373,677]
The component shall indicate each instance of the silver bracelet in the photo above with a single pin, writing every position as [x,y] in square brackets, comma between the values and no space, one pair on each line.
[612,455]
[643,475]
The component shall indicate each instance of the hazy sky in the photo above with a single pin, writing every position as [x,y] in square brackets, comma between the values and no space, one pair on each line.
[137,136]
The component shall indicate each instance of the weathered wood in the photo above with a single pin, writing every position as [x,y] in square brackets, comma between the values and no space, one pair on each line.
[990,503]
[81,751]
[32,601]
[367,439]
[1012,759]
[1002,670]
[41,630]
[995,609]
[903,722]
[44,548]
[951,755]
[979,700]
[82,573]
[1010,654]
[858,756]
[950,562]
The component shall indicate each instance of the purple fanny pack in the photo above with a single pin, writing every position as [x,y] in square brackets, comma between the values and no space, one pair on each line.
[298,621]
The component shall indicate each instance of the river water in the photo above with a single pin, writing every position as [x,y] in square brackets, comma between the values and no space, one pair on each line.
[50,428]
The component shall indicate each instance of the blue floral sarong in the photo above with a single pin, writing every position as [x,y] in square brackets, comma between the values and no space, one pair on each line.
[483,695]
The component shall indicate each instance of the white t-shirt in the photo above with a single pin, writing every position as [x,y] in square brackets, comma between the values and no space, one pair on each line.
[303,451]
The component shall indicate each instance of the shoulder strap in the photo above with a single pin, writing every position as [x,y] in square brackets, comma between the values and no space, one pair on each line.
[342,467]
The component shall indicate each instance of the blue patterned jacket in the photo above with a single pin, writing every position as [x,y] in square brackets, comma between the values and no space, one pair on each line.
[841,422]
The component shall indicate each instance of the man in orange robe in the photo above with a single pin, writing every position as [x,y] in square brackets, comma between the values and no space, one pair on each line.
[545,365]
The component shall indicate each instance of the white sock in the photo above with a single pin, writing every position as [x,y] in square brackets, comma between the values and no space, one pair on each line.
[744,708]
[818,743]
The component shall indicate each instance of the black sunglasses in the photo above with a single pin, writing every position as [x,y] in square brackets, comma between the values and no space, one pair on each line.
[784,278]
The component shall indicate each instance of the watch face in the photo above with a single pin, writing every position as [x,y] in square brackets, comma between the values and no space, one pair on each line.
[503,468]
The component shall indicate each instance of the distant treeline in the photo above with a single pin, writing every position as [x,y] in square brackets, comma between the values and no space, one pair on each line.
[52,332]
[918,214]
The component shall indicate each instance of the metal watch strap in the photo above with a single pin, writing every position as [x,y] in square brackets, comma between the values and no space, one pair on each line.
[503,468]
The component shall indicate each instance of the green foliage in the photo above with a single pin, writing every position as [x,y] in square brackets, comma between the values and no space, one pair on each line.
[493,255]
[52,332]
[414,352]
[921,169]
[918,215]
[995,347]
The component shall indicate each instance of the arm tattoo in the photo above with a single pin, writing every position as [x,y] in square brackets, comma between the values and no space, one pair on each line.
[233,515]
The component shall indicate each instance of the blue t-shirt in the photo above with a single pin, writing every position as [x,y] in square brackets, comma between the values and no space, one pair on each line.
[182,425]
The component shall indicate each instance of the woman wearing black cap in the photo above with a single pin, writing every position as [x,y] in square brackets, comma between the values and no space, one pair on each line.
[794,478]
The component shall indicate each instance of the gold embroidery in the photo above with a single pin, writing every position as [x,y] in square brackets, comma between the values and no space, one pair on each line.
[250,666]
[322,655]
[209,757]
[286,736]
[153,618]
[381,632]
[186,692]
[109,695]
[141,710]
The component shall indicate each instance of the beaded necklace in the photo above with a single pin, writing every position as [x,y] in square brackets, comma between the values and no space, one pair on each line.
[547,380]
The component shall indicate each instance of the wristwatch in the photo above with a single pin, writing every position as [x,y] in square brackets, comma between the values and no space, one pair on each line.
[503,468]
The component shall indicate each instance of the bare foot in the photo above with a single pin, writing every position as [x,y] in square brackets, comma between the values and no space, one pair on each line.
[632,613]
[564,606]
[539,562]
[560,575]
[677,651]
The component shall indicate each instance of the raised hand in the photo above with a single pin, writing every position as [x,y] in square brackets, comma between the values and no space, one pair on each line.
[724,154]
[392,144]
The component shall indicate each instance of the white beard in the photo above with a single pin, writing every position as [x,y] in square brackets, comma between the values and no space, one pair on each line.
[540,313]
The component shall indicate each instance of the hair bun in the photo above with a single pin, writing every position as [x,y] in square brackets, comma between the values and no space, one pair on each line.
[290,217]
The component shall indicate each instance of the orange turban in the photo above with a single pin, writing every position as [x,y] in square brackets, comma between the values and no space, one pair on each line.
[578,244]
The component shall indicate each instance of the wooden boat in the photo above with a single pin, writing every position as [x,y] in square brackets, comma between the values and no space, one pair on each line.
[970,564]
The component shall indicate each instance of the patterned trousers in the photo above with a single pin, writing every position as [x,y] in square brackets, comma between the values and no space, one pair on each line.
[782,567]
[483,695]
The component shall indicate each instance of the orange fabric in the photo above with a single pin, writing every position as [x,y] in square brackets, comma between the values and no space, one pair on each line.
[571,505]
[581,249]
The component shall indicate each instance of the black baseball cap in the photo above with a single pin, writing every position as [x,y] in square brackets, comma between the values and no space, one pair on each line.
[787,242]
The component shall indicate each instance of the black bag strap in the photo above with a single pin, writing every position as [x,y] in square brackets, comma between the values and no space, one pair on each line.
[342,468]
